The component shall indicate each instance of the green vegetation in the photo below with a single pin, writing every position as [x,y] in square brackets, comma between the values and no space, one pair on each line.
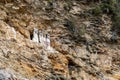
[112,8]
[106,7]
[97,11]
[109,7]
[77,30]
[116,17]
[70,25]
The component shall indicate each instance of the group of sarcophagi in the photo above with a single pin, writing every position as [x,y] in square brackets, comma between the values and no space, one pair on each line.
[42,37]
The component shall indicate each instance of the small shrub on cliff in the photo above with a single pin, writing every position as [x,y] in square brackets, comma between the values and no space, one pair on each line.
[97,10]
[116,18]
[70,25]
[77,30]
[116,24]
[107,7]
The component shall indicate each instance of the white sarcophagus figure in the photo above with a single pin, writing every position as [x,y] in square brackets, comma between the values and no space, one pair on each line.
[35,35]
[40,35]
[44,40]
[47,41]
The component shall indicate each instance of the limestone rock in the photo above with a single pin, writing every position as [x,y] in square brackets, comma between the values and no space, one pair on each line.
[86,53]
[29,1]
[6,1]
[75,10]
[3,15]
[17,25]
[117,76]
[59,63]
[64,48]
[88,37]
[81,52]
[4,75]
[9,31]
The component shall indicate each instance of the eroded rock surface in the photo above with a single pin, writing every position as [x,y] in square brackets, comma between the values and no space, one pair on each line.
[81,47]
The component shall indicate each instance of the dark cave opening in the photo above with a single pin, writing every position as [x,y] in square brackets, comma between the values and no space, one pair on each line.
[31,36]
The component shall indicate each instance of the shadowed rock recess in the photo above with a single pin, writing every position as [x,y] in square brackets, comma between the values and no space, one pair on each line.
[59,40]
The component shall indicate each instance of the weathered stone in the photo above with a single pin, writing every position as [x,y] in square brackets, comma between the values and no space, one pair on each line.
[75,10]
[117,76]
[6,1]
[3,15]
[81,52]
[35,35]
[59,63]
[9,31]
[88,55]
[29,1]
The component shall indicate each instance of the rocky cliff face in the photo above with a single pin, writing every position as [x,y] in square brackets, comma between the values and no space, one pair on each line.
[81,41]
